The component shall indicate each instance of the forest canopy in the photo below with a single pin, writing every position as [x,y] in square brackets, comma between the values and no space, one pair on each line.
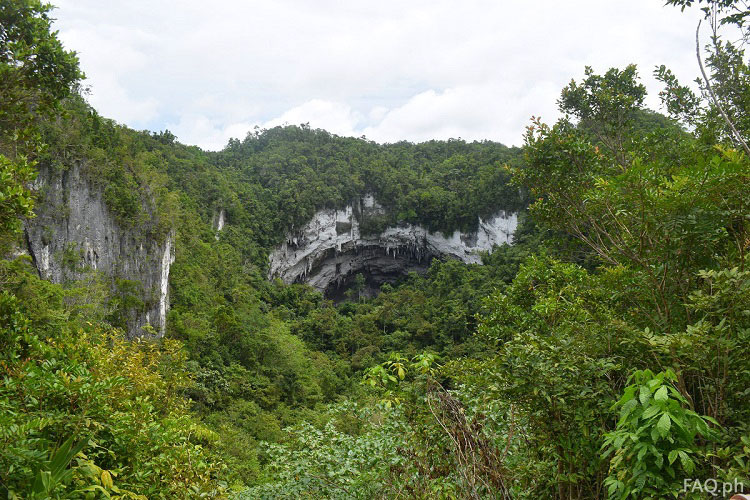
[604,354]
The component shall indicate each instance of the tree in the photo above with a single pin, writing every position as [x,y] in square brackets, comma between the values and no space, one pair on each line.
[36,74]
[720,112]
[666,214]
[606,106]
[722,12]
[654,430]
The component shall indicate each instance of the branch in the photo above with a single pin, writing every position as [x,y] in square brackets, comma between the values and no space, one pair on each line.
[713,96]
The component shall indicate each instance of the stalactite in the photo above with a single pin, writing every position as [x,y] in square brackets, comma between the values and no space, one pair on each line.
[322,256]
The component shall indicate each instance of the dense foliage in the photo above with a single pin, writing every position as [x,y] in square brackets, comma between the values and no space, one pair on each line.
[624,377]
[604,354]
[36,73]
[67,380]
[295,171]
[83,413]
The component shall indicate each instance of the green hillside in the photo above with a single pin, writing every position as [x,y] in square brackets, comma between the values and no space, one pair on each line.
[604,354]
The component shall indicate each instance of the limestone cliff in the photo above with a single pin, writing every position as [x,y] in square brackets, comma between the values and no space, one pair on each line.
[331,248]
[74,232]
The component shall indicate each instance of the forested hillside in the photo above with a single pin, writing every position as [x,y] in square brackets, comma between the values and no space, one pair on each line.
[604,354]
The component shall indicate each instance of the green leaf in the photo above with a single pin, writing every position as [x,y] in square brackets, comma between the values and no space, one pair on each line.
[711,419]
[687,462]
[627,408]
[661,394]
[644,395]
[106,479]
[701,427]
[664,424]
[650,412]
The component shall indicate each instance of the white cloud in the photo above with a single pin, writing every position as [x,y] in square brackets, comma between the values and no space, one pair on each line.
[392,70]
[112,99]
[111,59]
[208,134]
[469,112]
[335,117]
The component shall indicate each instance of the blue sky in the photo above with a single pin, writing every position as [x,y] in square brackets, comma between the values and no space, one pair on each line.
[388,70]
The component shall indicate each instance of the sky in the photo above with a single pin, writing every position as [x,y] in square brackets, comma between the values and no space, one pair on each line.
[388,70]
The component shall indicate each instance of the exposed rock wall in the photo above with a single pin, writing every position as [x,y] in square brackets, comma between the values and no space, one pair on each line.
[331,247]
[219,221]
[74,233]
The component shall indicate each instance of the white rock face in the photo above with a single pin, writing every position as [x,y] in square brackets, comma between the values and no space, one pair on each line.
[166,262]
[74,233]
[331,247]
[219,221]
[44,261]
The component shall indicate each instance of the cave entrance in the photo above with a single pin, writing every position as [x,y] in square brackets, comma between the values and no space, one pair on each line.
[361,274]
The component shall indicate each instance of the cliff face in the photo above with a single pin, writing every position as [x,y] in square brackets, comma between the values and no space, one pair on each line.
[331,248]
[74,233]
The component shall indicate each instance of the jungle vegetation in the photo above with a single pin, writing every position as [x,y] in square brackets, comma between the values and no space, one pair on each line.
[605,354]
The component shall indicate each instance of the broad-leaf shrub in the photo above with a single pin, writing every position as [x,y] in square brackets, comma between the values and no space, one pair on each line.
[654,446]
[83,411]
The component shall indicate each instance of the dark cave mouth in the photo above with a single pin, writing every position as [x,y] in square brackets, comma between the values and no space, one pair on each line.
[352,275]
[352,288]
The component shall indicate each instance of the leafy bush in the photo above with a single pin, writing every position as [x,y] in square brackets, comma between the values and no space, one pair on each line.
[331,463]
[654,430]
[83,410]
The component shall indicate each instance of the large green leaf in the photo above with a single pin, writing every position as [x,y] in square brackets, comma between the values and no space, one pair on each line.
[664,424]
[661,394]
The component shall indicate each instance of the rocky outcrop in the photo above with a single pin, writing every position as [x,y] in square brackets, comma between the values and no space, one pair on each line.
[75,233]
[332,248]
[219,221]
